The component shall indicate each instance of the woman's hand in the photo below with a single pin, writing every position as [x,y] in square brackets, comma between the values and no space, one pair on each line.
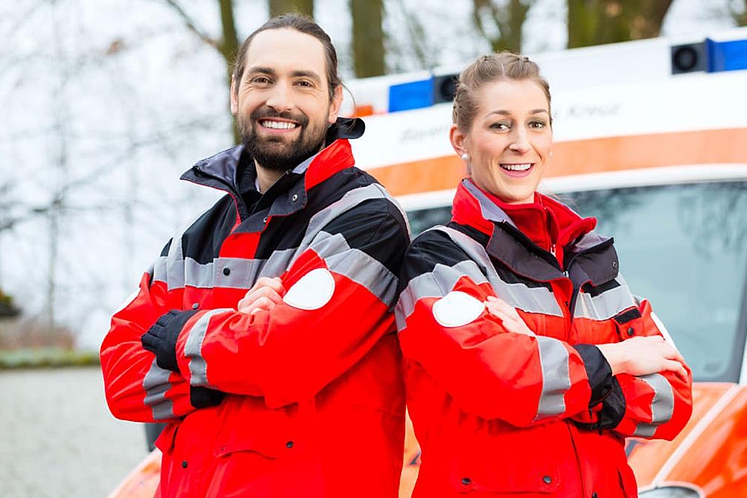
[508,315]
[643,356]
[263,296]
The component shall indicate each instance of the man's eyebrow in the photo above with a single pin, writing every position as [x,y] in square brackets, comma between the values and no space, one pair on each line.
[306,74]
[261,70]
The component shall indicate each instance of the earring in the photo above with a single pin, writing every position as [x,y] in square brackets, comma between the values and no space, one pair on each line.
[465,157]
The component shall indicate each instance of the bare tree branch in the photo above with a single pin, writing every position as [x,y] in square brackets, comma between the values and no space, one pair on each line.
[192,26]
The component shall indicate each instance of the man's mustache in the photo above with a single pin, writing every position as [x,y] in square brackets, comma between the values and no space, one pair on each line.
[266,113]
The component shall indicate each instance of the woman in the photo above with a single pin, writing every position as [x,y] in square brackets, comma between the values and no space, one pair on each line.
[527,358]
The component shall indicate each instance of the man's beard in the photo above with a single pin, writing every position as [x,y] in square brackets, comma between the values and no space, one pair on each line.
[277,153]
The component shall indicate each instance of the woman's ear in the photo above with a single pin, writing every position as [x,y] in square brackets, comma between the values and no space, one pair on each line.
[457,139]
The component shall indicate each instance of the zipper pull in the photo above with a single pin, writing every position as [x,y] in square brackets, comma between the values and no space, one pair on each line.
[552,249]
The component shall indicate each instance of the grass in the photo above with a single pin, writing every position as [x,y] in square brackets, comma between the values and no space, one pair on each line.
[47,357]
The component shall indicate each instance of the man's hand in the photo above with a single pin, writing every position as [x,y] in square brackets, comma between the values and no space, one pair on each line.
[512,322]
[263,296]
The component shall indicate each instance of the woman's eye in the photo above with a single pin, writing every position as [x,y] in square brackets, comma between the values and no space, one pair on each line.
[500,126]
[537,124]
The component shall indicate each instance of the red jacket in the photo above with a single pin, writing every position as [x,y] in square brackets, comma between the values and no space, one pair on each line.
[303,400]
[499,413]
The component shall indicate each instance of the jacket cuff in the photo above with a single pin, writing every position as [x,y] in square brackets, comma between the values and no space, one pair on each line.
[202,397]
[598,371]
[162,336]
[611,413]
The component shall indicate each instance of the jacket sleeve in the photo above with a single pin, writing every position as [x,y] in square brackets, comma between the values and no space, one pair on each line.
[650,406]
[492,373]
[136,387]
[339,292]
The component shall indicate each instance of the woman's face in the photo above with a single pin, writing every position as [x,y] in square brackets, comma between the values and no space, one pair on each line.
[510,140]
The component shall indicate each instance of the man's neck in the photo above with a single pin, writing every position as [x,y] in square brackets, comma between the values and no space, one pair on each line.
[266,178]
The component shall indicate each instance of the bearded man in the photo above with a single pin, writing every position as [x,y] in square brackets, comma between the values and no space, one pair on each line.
[263,335]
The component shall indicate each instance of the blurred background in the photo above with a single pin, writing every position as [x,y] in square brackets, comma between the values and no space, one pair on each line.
[104,103]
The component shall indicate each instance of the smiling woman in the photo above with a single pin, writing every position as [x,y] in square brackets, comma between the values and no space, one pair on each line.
[528,359]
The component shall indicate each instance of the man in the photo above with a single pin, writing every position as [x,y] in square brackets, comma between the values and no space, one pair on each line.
[263,334]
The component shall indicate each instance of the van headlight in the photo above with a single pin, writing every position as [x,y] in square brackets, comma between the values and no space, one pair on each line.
[672,492]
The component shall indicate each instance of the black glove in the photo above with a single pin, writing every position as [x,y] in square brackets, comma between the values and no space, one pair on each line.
[162,336]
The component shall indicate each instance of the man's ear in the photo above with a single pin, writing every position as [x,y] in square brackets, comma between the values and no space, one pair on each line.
[234,97]
[334,108]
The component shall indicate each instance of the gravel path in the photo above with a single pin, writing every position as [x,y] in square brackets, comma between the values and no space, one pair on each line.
[57,437]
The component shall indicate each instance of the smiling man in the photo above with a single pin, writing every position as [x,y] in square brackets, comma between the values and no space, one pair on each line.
[263,335]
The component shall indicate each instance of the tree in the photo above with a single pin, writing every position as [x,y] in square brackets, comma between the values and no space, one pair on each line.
[740,16]
[227,44]
[596,22]
[368,37]
[278,7]
[501,23]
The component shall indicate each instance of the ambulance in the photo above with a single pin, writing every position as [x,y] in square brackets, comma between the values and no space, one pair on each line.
[651,139]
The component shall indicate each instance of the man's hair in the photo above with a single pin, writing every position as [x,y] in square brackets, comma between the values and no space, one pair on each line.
[302,24]
[505,66]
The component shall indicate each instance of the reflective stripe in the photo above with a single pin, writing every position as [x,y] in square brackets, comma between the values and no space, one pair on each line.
[351,199]
[155,384]
[518,295]
[356,265]
[556,377]
[488,209]
[662,406]
[605,305]
[193,348]
[177,272]
[436,283]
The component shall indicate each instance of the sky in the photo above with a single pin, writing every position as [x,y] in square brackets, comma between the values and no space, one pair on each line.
[103,103]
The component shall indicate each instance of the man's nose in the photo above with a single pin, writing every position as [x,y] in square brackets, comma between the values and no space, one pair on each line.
[280,98]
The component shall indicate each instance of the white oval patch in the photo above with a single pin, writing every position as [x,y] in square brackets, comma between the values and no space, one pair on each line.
[456,309]
[312,291]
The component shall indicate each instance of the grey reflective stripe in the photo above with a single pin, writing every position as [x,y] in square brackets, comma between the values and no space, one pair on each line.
[348,201]
[528,299]
[489,210]
[356,265]
[556,377]
[242,275]
[193,348]
[436,283]
[605,305]
[155,384]
[662,406]
[277,264]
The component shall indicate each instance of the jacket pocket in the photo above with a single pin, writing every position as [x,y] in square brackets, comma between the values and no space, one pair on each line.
[498,458]
[271,433]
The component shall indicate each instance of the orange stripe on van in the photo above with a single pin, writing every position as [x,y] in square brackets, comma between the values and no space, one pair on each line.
[584,156]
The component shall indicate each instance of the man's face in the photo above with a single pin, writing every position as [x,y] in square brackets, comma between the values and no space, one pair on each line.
[282,103]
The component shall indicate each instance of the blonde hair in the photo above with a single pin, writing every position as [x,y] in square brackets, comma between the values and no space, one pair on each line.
[504,66]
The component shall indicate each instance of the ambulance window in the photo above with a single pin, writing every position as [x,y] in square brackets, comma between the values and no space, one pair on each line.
[423,219]
[684,247]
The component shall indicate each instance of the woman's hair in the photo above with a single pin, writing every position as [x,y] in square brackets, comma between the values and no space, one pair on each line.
[302,24]
[504,66]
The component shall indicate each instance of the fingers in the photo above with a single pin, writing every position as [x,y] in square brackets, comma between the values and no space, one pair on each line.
[510,318]
[266,282]
[264,295]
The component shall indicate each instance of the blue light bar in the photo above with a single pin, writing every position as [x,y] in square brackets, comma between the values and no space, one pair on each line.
[411,95]
[726,55]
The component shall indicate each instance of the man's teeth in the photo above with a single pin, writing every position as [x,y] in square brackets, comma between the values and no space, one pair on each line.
[279,125]
[516,167]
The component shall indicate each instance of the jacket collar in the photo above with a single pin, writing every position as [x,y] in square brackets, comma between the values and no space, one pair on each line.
[220,170]
[508,244]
